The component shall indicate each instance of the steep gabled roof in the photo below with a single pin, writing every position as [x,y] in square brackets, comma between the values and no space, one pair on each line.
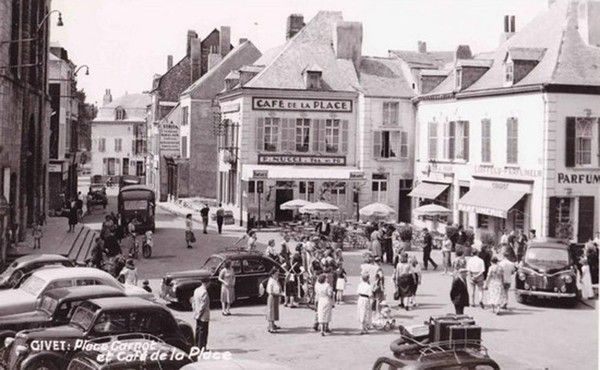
[430,59]
[383,77]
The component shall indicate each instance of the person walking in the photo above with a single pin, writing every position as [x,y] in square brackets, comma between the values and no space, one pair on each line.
[129,274]
[227,280]
[460,262]
[508,268]
[404,280]
[340,283]
[427,246]
[220,217]
[521,245]
[96,254]
[476,268]
[324,298]
[494,286]
[251,243]
[201,312]
[417,277]
[189,231]
[386,244]
[376,244]
[447,254]
[324,228]
[363,304]
[273,291]
[587,292]
[270,251]
[73,217]
[204,214]
[37,234]
[459,294]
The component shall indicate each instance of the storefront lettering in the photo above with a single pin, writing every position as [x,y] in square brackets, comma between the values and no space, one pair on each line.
[506,171]
[564,178]
[302,160]
[342,106]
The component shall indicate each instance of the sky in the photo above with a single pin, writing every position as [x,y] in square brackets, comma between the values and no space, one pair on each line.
[126,42]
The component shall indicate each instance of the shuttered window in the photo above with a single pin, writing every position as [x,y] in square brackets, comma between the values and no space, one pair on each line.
[583,141]
[302,134]
[332,135]
[449,140]
[432,139]
[260,122]
[344,129]
[462,140]
[287,134]
[118,145]
[403,144]
[377,144]
[184,150]
[102,145]
[512,141]
[390,113]
[271,134]
[486,141]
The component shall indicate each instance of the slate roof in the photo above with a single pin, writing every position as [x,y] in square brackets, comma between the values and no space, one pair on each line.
[430,59]
[134,105]
[383,77]
[312,44]
[534,54]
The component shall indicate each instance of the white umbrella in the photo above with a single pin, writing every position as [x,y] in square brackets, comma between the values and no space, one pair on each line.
[376,210]
[432,210]
[294,204]
[318,207]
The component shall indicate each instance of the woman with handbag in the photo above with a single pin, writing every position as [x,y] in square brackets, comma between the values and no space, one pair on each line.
[189,233]
[273,291]
[404,279]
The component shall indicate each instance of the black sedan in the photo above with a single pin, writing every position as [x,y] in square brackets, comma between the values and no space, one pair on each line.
[26,264]
[251,269]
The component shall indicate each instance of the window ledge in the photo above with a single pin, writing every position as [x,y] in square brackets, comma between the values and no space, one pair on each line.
[583,168]
[391,159]
[486,164]
[512,166]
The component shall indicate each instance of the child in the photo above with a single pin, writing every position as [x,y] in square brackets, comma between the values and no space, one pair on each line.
[129,273]
[340,284]
[149,241]
[37,236]
[363,305]
[417,278]
[146,286]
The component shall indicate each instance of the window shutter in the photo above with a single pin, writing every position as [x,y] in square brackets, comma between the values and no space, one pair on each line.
[105,166]
[291,134]
[570,143]
[260,137]
[117,165]
[322,136]
[404,144]
[345,136]
[284,134]
[315,132]
[395,144]
[451,139]
[377,144]
[466,141]
[552,209]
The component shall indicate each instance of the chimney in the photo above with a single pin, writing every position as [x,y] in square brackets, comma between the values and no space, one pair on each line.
[243,40]
[213,60]
[169,62]
[191,35]
[509,28]
[107,97]
[225,40]
[463,52]
[422,46]
[588,14]
[512,24]
[347,41]
[295,22]
[195,59]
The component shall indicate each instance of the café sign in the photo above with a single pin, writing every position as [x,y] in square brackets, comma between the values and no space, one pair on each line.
[301,160]
[311,105]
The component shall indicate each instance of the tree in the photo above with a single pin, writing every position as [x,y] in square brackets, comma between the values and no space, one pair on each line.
[87,113]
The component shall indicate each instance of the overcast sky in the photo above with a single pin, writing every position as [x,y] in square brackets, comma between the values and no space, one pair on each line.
[125,42]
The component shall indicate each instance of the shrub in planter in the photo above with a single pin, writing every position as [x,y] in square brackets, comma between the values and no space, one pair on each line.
[338,234]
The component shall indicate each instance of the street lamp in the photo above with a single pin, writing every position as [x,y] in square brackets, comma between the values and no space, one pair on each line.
[87,70]
[59,23]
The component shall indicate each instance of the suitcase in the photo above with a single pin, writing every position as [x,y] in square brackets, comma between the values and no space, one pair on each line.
[416,332]
[438,329]
[460,333]
[449,316]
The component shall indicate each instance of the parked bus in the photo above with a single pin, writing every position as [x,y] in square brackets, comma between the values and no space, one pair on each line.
[137,201]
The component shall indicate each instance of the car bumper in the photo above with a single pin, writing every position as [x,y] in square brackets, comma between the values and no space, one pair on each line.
[538,293]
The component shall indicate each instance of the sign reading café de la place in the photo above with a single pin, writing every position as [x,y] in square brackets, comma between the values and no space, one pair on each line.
[297,104]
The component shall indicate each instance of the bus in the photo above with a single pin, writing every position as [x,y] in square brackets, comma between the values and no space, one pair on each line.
[137,202]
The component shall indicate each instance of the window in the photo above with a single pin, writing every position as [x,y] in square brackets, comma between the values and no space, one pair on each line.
[432,138]
[338,193]
[458,79]
[251,186]
[482,221]
[486,141]
[313,80]
[332,135]
[379,188]
[110,166]
[390,113]
[59,284]
[302,134]
[140,169]
[125,166]
[461,145]
[184,151]
[403,144]
[253,266]
[271,132]
[119,114]
[387,144]
[449,140]
[102,145]
[583,141]
[184,116]
[118,145]
[307,190]
[509,72]
[512,149]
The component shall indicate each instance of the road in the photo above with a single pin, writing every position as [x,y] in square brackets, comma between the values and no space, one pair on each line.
[526,337]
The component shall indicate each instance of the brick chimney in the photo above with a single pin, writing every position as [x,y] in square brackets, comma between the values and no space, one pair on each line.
[509,28]
[295,22]
[195,59]
[107,97]
[169,62]
[191,35]
[224,40]
[347,41]
[422,47]
[588,24]
[242,40]
[463,52]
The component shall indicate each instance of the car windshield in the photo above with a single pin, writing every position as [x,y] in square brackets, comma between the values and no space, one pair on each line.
[33,285]
[47,304]
[4,276]
[83,316]
[547,258]
[212,263]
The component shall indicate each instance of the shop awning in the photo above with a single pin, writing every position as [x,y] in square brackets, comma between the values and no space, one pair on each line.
[491,202]
[275,172]
[428,190]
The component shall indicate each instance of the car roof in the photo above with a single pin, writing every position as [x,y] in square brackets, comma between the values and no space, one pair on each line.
[71,272]
[238,254]
[84,292]
[123,303]
[136,187]
[40,258]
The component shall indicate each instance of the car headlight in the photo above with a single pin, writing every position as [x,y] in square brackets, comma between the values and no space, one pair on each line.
[20,349]
[563,288]
[567,279]
[8,341]
[522,276]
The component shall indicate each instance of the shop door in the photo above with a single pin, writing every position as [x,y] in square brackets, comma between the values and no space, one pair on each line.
[404,201]
[585,229]
[282,196]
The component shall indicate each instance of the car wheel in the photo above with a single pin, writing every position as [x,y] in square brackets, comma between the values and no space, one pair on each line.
[43,364]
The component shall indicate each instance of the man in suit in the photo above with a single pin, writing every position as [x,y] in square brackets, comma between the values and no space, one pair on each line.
[459,294]
[204,214]
[201,310]
[323,227]
[427,246]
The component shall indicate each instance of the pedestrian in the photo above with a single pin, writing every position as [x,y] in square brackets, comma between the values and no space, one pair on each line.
[585,280]
[79,204]
[73,217]
[363,304]
[340,284]
[146,286]
[427,246]
[227,280]
[96,254]
[447,254]
[476,268]
[324,299]
[284,251]
[323,228]
[494,286]
[37,235]
[404,279]
[251,243]
[521,244]
[486,255]
[189,232]
[376,244]
[508,268]
[220,216]
[460,262]
[112,246]
[273,290]
[201,308]
[459,294]
[386,244]
[129,273]
[378,285]
[416,271]
[461,239]
[270,251]
[204,214]
[291,281]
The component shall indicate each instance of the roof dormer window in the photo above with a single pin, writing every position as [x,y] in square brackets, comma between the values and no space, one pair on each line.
[119,113]
[458,79]
[509,72]
[312,77]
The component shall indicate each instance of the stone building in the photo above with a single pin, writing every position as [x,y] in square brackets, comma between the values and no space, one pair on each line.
[24,111]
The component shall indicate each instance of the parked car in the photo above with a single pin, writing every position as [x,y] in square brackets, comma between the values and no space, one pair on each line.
[547,271]
[26,264]
[93,319]
[54,308]
[174,358]
[251,269]
[97,196]
[456,359]
[24,297]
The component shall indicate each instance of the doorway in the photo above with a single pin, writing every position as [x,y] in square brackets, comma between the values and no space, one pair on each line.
[404,201]
[585,227]
[282,196]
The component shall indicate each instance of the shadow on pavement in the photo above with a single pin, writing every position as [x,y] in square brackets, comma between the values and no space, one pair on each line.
[491,330]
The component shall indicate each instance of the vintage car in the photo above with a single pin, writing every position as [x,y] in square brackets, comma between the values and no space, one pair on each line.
[54,308]
[97,196]
[24,297]
[455,359]
[547,271]
[93,319]
[155,354]
[26,264]
[251,269]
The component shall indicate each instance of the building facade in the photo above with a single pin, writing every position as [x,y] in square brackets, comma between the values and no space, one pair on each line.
[510,140]
[119,142]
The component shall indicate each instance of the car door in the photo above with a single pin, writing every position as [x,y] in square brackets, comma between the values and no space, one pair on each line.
[254,271]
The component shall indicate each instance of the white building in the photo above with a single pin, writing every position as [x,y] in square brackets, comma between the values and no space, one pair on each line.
[119,136]
[510,139]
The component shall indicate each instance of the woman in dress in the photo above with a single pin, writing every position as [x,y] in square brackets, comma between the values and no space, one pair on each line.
[324,298]
[363,304]
[227,279]
[270,252]
[494,286]
[404,279]
[251,243]
[460,262]
[189,233]
[417,278]
[446,254]
[291,280]
[587,291]
[273,291]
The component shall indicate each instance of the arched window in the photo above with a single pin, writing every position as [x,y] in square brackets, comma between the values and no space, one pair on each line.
[119,113]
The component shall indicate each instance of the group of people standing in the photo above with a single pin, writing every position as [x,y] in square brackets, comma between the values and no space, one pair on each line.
[190,237]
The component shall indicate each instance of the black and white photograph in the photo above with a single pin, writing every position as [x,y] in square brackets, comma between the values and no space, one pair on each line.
[286,184]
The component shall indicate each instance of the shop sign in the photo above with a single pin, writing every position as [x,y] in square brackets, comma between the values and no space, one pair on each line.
[312,105]
[483,210]
[260,174]
[506,171]
[578,178]
[54,167]
[500,185]
[357,175]
[230,108]
[301,160]
[169,139]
